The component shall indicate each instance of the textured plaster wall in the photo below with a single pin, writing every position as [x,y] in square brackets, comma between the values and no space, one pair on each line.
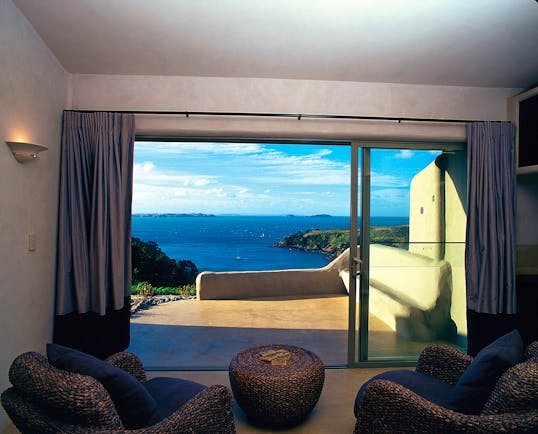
[32,95]
[287,96]
[290,96]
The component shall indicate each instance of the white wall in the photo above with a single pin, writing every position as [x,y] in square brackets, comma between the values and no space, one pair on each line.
[287,96]
[290,96]
[32,96]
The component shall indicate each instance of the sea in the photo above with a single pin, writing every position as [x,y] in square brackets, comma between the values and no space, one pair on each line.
[240,243]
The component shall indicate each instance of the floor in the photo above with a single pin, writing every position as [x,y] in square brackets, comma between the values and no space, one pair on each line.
[333,413]
[208,333]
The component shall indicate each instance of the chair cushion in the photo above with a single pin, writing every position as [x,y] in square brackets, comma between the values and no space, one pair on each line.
[472,390]
[170,394]
[135,405]
[430,388]
[516,391]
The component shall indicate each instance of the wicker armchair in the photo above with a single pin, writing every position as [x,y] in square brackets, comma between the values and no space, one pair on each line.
[44,399]
[388,407]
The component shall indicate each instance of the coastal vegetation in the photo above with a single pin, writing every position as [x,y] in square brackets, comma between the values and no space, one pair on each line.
[146,289]
[154,273]
[335,241]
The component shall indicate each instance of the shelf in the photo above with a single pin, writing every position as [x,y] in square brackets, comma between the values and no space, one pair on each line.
[527,170]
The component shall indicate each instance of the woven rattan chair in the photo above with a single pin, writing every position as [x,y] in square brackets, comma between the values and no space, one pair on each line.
[388,407]
[44,399]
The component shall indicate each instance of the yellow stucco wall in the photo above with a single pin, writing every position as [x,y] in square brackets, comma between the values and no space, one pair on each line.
[455,224]
[425,213]
[437,222]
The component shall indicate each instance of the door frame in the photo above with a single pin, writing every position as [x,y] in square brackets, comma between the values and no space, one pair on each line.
[359,259]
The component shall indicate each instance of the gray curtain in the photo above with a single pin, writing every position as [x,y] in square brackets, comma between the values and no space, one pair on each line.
[94,222]
[491,239]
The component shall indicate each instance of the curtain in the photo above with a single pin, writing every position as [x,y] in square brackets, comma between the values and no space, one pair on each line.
[490,253]
[93,278]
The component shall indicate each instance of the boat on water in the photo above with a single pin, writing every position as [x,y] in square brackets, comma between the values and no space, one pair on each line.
[239,258]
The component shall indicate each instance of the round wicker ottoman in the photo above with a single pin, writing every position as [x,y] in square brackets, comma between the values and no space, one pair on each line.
[276,395]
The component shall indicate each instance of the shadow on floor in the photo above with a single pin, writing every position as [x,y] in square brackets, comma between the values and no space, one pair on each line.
[183,347]
[172,346]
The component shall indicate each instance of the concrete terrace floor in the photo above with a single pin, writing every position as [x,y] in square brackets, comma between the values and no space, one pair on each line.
[206,334]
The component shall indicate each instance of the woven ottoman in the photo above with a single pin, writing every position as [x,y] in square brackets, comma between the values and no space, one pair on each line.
[276,395]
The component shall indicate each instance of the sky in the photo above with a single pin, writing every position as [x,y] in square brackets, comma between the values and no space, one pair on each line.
[266,179]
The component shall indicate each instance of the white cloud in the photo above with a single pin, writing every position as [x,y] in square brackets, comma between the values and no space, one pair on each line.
[188,148]
[404,154]
[313,169]
[201,182]
[383,180]
[149,173]
[145,167]
[391,195]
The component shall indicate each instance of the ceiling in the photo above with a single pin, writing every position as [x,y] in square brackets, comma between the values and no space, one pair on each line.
[490,43]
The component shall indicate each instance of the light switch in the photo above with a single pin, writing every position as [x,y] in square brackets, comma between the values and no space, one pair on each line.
[32,242]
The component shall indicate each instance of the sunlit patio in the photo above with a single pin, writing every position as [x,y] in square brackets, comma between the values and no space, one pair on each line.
[208,333]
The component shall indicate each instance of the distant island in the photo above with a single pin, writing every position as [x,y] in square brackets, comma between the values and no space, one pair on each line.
[196,214]
[315,215]
[334,241]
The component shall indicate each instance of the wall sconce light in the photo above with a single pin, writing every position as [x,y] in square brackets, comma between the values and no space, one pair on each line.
[24,152]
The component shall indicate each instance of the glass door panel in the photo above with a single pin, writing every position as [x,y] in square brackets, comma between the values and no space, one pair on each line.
[417,218]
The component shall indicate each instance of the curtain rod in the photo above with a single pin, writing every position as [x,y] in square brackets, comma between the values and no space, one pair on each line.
[299,116]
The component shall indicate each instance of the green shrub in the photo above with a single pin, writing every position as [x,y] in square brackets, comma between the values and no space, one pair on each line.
[146,289]
[151,264]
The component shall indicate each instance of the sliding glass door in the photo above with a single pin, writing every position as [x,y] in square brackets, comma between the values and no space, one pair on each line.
[409,286]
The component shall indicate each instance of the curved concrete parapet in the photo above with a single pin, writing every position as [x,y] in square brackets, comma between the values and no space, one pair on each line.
[252,284]
[411,293]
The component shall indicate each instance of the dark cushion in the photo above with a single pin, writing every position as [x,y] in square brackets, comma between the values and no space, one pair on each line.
[475,385]
[516,391]
[170,394]
[135,405]
[430,388]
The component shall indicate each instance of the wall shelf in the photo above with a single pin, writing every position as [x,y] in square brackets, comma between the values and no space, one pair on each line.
[527,170]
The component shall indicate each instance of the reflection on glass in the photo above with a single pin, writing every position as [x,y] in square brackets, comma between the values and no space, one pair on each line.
[417,277]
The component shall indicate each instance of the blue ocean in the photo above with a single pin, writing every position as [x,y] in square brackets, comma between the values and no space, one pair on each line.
[240,243]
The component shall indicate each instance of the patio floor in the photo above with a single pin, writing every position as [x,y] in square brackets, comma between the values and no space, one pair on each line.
[206,334]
